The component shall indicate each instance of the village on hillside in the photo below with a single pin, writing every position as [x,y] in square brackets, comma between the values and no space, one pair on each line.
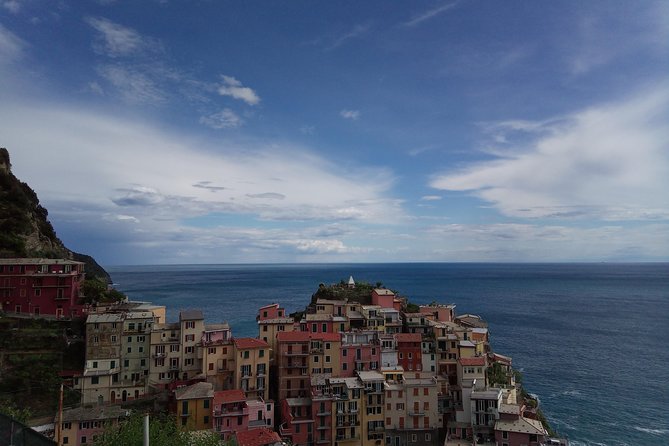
[344,372]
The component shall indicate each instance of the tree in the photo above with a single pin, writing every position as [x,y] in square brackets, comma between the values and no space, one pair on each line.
[10,409]
[163,431]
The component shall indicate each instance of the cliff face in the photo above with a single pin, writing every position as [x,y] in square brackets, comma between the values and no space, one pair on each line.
[25,230]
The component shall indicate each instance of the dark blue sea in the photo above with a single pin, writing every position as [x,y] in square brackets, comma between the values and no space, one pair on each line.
[590,339]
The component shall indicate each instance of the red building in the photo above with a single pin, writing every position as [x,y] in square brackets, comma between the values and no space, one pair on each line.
[41,287]
[409,351]
[259,437]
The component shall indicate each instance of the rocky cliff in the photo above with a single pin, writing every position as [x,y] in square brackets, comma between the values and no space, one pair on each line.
[25,230]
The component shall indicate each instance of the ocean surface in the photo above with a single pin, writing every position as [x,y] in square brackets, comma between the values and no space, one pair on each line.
[592,340]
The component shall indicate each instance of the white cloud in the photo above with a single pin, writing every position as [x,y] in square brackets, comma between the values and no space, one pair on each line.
[116,40]
[11,46]
[430,197]
[350,114]
[133,166]
[224,119]
[133,86]
[12,6]
[607,162]
[234,88]
[355,32]
[426,15]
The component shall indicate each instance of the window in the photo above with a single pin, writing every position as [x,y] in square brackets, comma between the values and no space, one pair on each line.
[428,437]
[190,324]
[327,359]
[206,419]
[261,353]
[206,405]
[314,328]
[126,363]
[95,364]
[426,391]
[142,363]
[129,339]
[505,435]
[112,365]
[66,440]
[96,339]
[246,354]
[129,349]
[83,439]
[95,380]
[190,338]
[190,349]
[415,391]
[344,366]
[344,352]
[324,328]
[211,350]
[131,326]
[38,292]
[113,338]
[264,328]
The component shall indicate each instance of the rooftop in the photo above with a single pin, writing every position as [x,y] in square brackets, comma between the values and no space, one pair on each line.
[257,437]
[229,396]
[521,425]
[93,413]
[104,318]
[39,262]
[190,315]
[370,376]
[475,361]
[408,337]
[304,336]
[195,391]
[383,292]
[250,343]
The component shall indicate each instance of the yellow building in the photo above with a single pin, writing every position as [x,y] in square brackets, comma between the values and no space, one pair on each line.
[251,365]
[194,406]
[373,421]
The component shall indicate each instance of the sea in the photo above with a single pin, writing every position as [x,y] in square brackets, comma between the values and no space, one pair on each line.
[592,340]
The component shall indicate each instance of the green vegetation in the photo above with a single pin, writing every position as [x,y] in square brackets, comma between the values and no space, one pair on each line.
[9,408]
[532,403]
[32,353]
[162,431]
[97,291]
[362,292]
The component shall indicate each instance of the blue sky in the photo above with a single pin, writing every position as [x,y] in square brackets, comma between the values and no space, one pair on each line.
[227,132]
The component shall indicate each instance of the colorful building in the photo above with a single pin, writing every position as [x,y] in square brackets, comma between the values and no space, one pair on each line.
[42,287]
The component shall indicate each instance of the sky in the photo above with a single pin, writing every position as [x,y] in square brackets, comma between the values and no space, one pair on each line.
[176,131]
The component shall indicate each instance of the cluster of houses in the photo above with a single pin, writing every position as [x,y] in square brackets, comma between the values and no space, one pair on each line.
[345,374]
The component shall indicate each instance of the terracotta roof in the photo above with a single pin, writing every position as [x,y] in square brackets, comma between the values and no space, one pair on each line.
[304,336]
[383,292]
[408,337]
[257,437]
[250,343]
[477,360]
[270,306]
[229,396]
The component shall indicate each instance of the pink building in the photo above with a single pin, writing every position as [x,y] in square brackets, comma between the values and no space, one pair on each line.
[385,299]
[441,313]
[272,311]
[231,413]
[512,429]
[297,423]
[82,425]
[360,351]
[41,287]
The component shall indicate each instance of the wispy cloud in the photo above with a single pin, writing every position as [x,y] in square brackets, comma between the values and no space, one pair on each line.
[609,162]
[116,40]
[134,86]
[350,114]
[357,31]
[430,197]
[12,6]
[427,15]
[11,46]
[224,119]
[234,88]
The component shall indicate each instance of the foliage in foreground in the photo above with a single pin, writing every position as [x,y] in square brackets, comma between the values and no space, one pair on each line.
[163,431]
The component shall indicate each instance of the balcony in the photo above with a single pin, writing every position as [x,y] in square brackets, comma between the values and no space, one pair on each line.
[158,355]
[414,413]
[297,353]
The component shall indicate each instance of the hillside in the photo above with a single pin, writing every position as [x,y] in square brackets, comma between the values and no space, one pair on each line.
[25,230]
